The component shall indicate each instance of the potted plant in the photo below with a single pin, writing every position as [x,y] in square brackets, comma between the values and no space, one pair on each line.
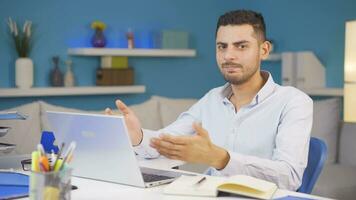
[22,42]
[98,39]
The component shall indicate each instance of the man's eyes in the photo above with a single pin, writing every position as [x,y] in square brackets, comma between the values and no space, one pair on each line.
[242,46]
[221,47]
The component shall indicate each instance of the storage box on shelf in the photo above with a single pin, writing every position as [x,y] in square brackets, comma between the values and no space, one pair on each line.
[303,70]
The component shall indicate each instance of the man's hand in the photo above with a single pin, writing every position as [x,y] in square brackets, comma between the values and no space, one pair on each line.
[132,122]
[194,149]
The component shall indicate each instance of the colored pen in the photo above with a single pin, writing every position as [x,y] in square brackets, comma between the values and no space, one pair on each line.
[41,150]
[68,154]
[52,160]
[35,156]
[44,163]
[58,157]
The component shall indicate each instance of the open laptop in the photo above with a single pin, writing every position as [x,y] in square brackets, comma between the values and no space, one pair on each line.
[104,151]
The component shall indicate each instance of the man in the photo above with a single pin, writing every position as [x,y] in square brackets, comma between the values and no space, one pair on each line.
[251,125]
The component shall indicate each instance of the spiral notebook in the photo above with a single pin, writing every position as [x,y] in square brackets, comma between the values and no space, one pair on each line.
[210,186]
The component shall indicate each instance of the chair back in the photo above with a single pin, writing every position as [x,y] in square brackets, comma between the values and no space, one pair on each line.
[316,159]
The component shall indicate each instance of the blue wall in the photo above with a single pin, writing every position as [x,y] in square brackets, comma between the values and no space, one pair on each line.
[316,25]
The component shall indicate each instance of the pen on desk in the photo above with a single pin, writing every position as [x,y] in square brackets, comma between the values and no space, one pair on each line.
[200,181]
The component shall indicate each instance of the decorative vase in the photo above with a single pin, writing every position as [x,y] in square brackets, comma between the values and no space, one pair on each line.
[69,75]
[24,73]
[56,74]
[98,39]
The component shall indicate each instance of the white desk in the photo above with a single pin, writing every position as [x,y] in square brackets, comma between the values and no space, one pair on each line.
[91,189]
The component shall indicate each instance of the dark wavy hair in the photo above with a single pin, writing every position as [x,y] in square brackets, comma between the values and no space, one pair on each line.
[241,17]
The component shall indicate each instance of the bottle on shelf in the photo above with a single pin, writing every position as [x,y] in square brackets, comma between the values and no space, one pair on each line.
[56,74]
[69,80]
[130,39]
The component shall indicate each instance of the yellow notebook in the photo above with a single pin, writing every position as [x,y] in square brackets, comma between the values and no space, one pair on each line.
[238,184]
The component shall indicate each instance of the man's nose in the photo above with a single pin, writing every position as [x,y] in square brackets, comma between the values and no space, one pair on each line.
[230,54]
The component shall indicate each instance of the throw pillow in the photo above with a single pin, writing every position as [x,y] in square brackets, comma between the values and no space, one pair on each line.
[50,107]
[326,121]
[170,108]
[148,114]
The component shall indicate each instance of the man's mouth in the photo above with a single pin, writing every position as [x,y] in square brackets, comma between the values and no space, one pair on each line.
[231,68]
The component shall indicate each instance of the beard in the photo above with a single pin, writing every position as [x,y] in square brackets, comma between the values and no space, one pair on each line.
[247,73]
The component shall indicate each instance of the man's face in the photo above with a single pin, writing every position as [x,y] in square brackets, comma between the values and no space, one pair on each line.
[238,53]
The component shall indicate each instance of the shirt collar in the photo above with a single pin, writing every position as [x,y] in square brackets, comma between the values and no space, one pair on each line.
[226,93]
[267,89]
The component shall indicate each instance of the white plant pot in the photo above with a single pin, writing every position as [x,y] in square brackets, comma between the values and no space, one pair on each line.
[24,73]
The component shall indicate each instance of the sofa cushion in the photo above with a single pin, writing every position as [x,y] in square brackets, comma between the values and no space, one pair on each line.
[337,181]
[170,109]
[50,107]
[24,133]
[347,150]
[326,120]
[148,113]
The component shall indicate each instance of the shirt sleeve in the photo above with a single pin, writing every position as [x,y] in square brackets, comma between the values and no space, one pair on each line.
[290,156]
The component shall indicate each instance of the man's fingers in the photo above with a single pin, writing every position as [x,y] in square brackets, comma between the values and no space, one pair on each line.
[172,154]
[161,144]
[122,107]
[182,140]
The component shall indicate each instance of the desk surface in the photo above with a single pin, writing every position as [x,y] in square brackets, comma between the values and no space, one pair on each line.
[92,189]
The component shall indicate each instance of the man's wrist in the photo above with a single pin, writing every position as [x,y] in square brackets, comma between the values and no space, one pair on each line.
[221,158]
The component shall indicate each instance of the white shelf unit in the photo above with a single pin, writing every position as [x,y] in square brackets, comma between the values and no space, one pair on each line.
[325,92]
[132,52]
[71,91]
[274,57]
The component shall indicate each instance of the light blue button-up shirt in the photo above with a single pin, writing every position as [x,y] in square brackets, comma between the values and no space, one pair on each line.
[267,139]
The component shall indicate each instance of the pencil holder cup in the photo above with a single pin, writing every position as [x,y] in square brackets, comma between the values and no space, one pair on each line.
[51,185]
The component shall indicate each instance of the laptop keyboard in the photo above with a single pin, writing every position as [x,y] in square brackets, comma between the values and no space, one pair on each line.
[154,177]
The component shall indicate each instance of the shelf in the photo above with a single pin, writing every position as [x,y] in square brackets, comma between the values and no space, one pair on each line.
[132,52]
[325,91]
[274,57]
[71,91]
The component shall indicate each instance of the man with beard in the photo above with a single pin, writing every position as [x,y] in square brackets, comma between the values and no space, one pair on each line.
[250,126]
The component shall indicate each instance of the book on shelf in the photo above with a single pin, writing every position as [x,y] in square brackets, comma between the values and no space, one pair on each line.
[210,186]
[114,62]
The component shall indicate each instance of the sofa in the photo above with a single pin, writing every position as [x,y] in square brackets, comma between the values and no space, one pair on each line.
[337,180]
